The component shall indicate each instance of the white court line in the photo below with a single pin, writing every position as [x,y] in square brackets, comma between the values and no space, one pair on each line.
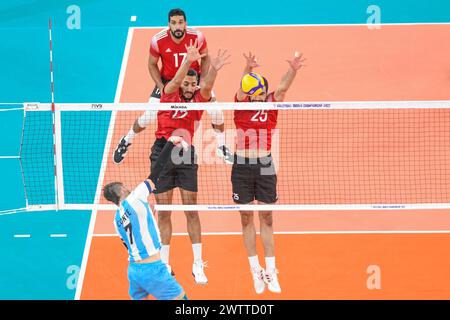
[22,236]
[305,232]
[307,25]
[90,233]
[9,157]
[11,109]
[63,235]
[12,211]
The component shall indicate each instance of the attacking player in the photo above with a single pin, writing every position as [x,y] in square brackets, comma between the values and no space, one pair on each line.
[136,226]
[253,175]
[169,45]
[182,173]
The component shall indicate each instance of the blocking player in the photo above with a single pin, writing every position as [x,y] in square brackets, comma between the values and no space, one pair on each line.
[136,226]
[169,45]
[253,175]
[183,174]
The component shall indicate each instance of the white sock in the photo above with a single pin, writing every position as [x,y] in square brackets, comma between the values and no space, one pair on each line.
[130,136]
[165,248]
[270,263]
[254,262]
[197,249]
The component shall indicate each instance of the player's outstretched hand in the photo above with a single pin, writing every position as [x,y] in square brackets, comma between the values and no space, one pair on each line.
[179,142]
[193,53]
[297,62]
[251,60]
[222,59]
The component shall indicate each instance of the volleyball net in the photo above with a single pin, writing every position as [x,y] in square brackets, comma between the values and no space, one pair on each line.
[327,155]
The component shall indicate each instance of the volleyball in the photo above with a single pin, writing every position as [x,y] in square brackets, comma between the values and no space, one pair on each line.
[252,84]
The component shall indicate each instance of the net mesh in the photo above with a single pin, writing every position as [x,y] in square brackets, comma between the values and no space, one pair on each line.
[83,136]
[37,158]
[322,156]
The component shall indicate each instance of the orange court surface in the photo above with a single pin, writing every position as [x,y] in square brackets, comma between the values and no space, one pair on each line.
[320,254]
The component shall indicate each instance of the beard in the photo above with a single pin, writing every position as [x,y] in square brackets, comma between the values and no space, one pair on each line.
[177,33]
[188,95]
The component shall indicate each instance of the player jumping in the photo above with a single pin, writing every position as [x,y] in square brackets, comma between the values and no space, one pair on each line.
[169,45]
[183,174]
[136,226]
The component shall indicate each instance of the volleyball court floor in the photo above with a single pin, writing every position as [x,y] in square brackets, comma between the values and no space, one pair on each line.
[320,254]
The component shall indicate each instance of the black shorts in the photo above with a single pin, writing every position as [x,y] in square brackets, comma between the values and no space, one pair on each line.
[182,174]
[254,179]
[156,93]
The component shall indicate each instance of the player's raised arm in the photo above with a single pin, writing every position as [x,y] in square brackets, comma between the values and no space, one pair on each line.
[164,158]
[217,119]
[216,64]
[294,65]
[205,64]
[192,55]
[250,63]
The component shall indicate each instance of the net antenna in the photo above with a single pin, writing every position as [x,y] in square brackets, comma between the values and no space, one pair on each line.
[57,145]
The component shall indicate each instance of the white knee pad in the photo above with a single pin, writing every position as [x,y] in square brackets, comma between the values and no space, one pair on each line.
[149,115]
[145,119]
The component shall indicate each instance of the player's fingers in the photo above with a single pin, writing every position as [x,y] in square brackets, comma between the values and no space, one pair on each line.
[203,55]
[245,56]
[174,139]
[195,42]
[184,144]
[218,53]
[224,52]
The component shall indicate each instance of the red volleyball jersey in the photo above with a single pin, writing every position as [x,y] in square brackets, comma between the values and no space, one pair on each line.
[173,54]
[178,122]
[255,127]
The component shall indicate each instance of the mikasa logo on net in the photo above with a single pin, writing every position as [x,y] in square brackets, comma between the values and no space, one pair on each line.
[178,107]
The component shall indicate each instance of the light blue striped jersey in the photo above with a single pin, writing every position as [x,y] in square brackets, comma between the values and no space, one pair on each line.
[136,225]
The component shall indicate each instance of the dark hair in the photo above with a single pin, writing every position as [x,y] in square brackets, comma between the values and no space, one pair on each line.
[192,73]
[177,12]
[266,84]
[111,192]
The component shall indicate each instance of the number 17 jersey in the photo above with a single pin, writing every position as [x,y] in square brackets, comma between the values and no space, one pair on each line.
[172,54]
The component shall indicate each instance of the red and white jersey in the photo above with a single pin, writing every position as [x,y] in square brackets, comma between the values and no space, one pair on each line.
[173,54]
[255,127]
[179,122]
